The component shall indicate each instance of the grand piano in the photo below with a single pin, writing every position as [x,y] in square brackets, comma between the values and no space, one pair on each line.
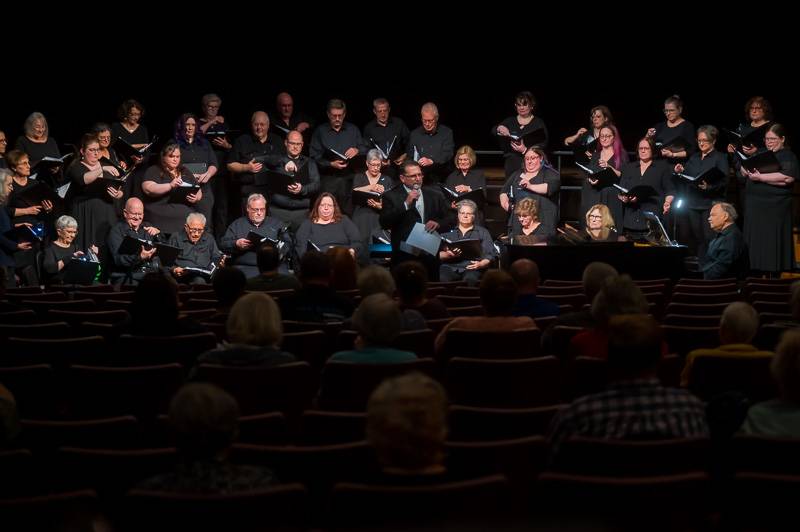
[567,261]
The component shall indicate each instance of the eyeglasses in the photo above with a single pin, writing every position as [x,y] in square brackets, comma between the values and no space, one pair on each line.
[253,209]
[703,141]
[195,231]
[376,164]
[771,139]
[413,175]
[466,214]
[667,111]
[595,216]
[606,136]
[294,143]
[104,137]
[93,150]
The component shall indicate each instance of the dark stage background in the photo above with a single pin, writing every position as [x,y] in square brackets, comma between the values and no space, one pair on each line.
[468,102]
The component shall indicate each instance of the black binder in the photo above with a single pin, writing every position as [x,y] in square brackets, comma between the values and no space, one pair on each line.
[605,177]
[29,233]
[279,180]
[674,145]
[132,246]
[470,247]
[389,151]
[128,151]
[712,176]
[477,195]
[536,137]
[765,162]
[755,138]
[580,148]
[43,165]
[257,239]
[80,271]
[355,163]
[167,254]
[179,193]
[360,197]
[196,168]
[210,135]
[36,194]
[640,192]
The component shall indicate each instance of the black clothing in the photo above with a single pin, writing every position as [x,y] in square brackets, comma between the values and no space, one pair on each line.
[548,203]
[659,176]
[513,159]
[246,260]
[161,211]
[727,255]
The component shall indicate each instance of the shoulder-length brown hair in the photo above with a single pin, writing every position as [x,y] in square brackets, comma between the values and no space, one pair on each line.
[337,212]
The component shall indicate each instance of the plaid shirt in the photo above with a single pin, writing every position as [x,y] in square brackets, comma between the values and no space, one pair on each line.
[630,410]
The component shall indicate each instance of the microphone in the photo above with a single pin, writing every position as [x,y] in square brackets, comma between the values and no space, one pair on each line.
[650,215]
[416,186]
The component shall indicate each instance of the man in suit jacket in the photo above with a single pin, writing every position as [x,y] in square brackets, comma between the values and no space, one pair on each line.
[727,253]
[407,204]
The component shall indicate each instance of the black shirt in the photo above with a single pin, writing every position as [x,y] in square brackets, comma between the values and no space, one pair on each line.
[326,137]
[395,134]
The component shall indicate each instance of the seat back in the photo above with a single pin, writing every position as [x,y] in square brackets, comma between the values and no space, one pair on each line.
[711,376]
[522,343]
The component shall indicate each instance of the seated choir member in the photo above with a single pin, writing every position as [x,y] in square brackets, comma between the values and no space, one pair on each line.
[129,268]
[198,251]
[327,227]
[453,267]
[58,254]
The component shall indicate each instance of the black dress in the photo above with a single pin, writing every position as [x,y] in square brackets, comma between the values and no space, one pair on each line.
[52,254]
[366,218]
[161,211]
[548,203]
[37,151]
[93,209]
[474,179]
[590,195]
[659,176]
[343,233]
[513,159]
[768,226]
[200,151]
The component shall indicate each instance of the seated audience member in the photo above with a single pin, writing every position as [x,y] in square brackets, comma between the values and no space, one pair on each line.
[344,269]
[412,284]
[228,284]
[727,252]
[525,273]
[377,280]
[407,427]
[378,321]
[619,295]
[635,405]
[205,420]
[255,331]
[737,328]
[198,251]
[780,418]
[594,277]
[316,300]
[498,297]
[269,278]
[9,418]
[154,310]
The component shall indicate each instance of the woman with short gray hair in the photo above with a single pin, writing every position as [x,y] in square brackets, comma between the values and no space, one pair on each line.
[62,250]
[368,188]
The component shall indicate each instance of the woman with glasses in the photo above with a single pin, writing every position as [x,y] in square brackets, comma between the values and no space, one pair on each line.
[63,249]
[130,128]
[520,125]
[196,152]
[466,178]
[654,173]
[327,227]
[610,154]
[170,191]
[600,116]
[527,214]
[38,144]
[96,193]
[674,138]
[758,116]
[535,180]
[600,225]
[366,217]
[454,266]
[768,226]
[700,194]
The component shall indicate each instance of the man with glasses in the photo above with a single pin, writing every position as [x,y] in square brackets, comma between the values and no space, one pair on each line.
[431,145]
[291,205]
[389,134]
[245,234]
[130,268]
[199,255]
[406,205]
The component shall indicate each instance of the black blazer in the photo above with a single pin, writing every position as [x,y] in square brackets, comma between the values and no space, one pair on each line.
[395,217]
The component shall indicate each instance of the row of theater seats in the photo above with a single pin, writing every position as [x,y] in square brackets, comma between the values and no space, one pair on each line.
[692,484]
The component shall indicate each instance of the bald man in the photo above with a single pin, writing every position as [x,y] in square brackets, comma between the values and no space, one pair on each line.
[291,205]
[130,266]
[249,153]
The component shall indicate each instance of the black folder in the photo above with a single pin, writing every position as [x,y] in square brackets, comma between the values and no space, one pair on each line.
[360,197]
[532,138]
[257,239]
[102,183]
[28,233]
[128,151]
[390,150]
[580,148]
[37,193]
[279,180]
[755,138]
[605,177]
[281,131]
[712,176]
[167,254]
[470,247]
[211,134]
[477,195]
[674,145]
[43,165]
[640,192]
[132,246]
[355,163]
[179,194]
[80,271]
[765,162]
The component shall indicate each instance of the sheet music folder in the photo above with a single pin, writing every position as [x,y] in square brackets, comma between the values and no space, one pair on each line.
[477,195]
[470,247]
[640,192]
[78,271]
[605,177]
[360,197]
[765,162]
